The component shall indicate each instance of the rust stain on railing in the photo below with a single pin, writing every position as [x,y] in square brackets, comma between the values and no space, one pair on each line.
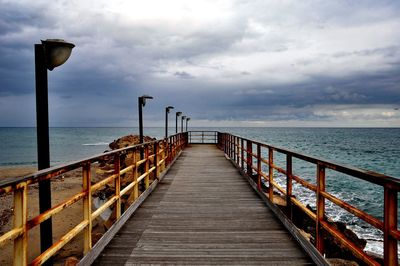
[243,157]
[163,153]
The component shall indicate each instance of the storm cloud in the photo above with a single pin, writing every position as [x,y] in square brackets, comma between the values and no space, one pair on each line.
[223,63]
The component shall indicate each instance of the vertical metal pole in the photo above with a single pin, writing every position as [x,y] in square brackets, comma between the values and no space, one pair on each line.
[141,138]
[43,146]
[390,223]
[271,173]
[140,104]
[249,158]
[176,123]
[156,159]
[289,185]
[259,166]
[87,208]
[182,124]
[20,219]
[166,122]
[242,153]
[117,183]
[320,207]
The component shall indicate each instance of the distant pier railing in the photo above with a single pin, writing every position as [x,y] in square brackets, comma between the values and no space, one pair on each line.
[203,137]
[149,162]
[248,156]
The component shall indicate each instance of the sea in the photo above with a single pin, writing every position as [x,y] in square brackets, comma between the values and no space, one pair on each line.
[376,149]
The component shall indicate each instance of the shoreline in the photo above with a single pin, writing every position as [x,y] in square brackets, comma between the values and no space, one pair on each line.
[16,171]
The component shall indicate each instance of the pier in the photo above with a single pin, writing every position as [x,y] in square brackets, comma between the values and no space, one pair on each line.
[203,212]
[200,198]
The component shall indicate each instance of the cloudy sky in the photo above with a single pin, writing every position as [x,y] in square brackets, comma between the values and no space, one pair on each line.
[223,63]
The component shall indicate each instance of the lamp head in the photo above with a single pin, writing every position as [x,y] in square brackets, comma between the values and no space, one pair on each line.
[183,117]
[56,52]
[143,99]
[178,113]
[168,108]
[188,118]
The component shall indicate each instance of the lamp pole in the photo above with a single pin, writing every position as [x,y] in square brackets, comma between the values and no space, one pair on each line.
[167,109]
[141,104]
[176,121]
[48,55]
[187,120]
[183,118]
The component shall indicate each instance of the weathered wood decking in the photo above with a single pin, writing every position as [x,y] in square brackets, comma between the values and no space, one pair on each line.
[203,212]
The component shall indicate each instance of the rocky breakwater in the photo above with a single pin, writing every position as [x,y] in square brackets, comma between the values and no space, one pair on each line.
[106,168]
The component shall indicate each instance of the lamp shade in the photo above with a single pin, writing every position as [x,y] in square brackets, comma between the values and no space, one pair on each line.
[57,52]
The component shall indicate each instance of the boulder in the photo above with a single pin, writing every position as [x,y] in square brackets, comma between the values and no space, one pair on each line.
[127,141]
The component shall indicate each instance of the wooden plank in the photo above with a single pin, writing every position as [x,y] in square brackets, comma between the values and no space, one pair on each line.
[203,213]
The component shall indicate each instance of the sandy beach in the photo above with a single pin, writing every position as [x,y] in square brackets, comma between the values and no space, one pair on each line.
[63,188]
[10,172]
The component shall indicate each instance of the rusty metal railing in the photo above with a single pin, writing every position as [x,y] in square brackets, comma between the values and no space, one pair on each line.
[247,155]
[157,157]
[203,137]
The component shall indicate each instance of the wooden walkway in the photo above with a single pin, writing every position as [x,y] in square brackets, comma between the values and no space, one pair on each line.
[203,212]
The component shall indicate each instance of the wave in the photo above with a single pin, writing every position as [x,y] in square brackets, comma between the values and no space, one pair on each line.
[96,144]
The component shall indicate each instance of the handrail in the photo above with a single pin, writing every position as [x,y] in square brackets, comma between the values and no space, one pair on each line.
[157,156]
[203,137]
[240,151]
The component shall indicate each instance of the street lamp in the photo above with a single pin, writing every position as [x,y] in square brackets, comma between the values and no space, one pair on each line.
[167,109]
[176,121]
[183,118]
[49,54]
[142,103]
[187,120]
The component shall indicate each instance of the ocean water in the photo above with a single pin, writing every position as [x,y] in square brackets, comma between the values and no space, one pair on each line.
[376,149]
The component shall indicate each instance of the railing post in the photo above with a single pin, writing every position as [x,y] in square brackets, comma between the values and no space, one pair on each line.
[259,167]
[237,151]
[230,146]
[135,178]
[249,158]
[289,172]
[271,173]
[390,223]
[242,154]
[156,160]
[117,168]
[233,147]
[320,207]
[20,218]
[202,137]
[147,167]
[87,207]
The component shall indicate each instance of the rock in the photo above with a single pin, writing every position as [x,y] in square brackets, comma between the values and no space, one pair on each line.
[71,261]
[127,141]
[96,237]
[342,262]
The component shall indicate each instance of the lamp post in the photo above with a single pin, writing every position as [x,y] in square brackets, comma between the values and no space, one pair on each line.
[167,109]
[49,54]
[183,118]
[176,121]
[187,120]
[142,103]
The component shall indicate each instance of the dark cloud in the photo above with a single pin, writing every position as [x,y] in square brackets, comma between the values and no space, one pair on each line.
[239,61]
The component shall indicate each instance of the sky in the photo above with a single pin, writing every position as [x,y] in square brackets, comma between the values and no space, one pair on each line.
[221,62]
